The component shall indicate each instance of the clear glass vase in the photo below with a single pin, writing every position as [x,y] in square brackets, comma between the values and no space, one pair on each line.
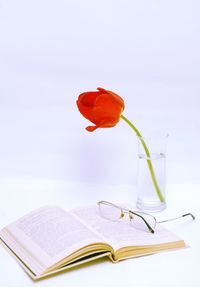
[151,177]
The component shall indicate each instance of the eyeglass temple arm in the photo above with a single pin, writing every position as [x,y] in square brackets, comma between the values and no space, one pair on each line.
[171,219]
[147,224]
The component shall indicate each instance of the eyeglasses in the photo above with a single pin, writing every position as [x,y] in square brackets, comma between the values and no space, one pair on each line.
[137,219]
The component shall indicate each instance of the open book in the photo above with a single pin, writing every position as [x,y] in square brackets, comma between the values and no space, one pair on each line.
[50,239]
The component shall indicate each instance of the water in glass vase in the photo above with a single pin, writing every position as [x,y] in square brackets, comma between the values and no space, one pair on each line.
[147,197]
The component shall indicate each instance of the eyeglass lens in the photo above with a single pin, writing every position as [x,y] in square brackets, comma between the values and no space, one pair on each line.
[137,220]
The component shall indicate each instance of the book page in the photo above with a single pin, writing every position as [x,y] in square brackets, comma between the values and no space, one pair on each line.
[122,234]
[47,235]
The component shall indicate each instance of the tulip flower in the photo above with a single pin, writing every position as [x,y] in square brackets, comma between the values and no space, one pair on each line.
[104,109]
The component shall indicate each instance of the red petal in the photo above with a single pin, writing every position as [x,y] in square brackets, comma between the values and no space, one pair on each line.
[115,96]
[107,110]
[91,128]
[85,104]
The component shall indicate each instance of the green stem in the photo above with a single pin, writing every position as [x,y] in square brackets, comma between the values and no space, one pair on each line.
[161,197]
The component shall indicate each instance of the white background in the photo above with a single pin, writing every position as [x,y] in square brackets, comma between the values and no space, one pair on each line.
[51,51]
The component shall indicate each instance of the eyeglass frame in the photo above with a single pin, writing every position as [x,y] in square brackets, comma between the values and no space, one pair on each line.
[126,210]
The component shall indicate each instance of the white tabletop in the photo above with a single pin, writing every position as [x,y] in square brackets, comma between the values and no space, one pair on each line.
[174,268]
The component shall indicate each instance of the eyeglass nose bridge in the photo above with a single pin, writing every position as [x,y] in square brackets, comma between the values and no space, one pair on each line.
[123,214]
[131,217]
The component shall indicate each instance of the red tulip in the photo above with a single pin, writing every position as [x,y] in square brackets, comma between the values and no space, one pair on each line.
[103,108]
